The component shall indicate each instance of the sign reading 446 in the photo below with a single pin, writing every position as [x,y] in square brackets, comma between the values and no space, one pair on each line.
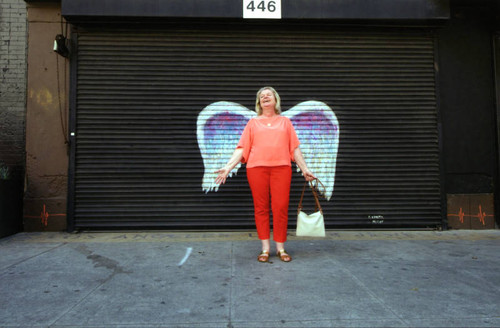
[262,9]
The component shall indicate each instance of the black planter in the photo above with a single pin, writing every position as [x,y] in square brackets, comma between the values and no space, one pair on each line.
[11,207]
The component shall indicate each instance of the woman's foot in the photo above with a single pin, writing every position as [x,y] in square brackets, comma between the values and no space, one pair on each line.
[283,255]
[263,256]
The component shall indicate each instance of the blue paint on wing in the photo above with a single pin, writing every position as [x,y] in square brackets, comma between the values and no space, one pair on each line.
[314,126]
[224,129]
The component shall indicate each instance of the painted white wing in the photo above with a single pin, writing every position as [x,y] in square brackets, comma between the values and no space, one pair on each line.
[219,128]
[318,131]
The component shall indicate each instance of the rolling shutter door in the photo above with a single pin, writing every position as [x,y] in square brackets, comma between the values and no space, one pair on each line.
[138,95]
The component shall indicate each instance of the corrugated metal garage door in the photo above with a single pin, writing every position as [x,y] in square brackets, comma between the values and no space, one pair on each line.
[139,92]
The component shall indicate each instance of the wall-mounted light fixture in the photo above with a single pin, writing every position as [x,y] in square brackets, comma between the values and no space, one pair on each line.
[60,45]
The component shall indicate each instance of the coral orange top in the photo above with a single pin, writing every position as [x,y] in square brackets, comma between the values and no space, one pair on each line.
[268,141]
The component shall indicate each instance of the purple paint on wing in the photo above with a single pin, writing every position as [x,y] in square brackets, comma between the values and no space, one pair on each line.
[224,127]
[314,125]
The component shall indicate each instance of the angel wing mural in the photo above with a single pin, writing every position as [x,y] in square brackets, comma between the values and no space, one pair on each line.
[221,124]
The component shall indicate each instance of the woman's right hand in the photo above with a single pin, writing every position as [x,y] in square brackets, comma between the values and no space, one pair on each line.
[222,175]
[223,172]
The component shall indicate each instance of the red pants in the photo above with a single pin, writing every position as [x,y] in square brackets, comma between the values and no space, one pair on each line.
[271,183]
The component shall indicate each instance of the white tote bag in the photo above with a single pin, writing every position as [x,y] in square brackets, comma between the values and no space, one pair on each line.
[312,225]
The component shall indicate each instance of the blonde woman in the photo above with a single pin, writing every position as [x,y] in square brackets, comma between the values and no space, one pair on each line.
[268,145]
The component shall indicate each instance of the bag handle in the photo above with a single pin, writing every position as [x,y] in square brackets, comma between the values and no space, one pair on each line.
[314,192]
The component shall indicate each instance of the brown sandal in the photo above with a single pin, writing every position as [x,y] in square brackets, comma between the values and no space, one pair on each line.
[283,255]
[263,256]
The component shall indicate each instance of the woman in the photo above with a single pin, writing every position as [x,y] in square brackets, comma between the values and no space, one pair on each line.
[268,145]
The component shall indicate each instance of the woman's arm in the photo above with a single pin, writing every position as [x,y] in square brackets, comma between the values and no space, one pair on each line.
[233,161]
[299,159]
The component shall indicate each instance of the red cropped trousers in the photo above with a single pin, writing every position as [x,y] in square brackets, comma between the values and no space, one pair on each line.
[270,187]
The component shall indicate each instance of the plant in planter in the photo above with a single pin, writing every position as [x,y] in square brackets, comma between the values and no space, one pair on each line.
[11,200]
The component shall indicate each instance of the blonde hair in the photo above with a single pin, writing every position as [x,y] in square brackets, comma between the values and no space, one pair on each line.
[277,108]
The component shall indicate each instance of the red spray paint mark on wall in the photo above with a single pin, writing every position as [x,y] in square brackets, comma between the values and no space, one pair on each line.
[460,215]
[44,216]
[481,215]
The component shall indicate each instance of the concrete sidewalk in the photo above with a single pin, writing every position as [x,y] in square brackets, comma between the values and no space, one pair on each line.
[198,279]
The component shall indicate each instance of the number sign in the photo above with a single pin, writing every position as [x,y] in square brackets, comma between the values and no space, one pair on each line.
[262,9]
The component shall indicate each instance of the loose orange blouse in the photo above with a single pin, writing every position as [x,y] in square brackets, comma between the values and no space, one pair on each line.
[268,142]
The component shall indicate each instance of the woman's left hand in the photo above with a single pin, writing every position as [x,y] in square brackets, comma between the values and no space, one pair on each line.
[301,163]
[308,175]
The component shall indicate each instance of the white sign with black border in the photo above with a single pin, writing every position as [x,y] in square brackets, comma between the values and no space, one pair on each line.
[264,9]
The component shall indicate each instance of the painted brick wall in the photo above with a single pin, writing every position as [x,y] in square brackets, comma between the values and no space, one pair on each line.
[46,109]
[13,36]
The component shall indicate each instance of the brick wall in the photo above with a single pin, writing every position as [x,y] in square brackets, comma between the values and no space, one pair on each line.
[13,36]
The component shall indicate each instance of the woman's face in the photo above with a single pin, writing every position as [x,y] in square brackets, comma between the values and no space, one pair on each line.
[267,99]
